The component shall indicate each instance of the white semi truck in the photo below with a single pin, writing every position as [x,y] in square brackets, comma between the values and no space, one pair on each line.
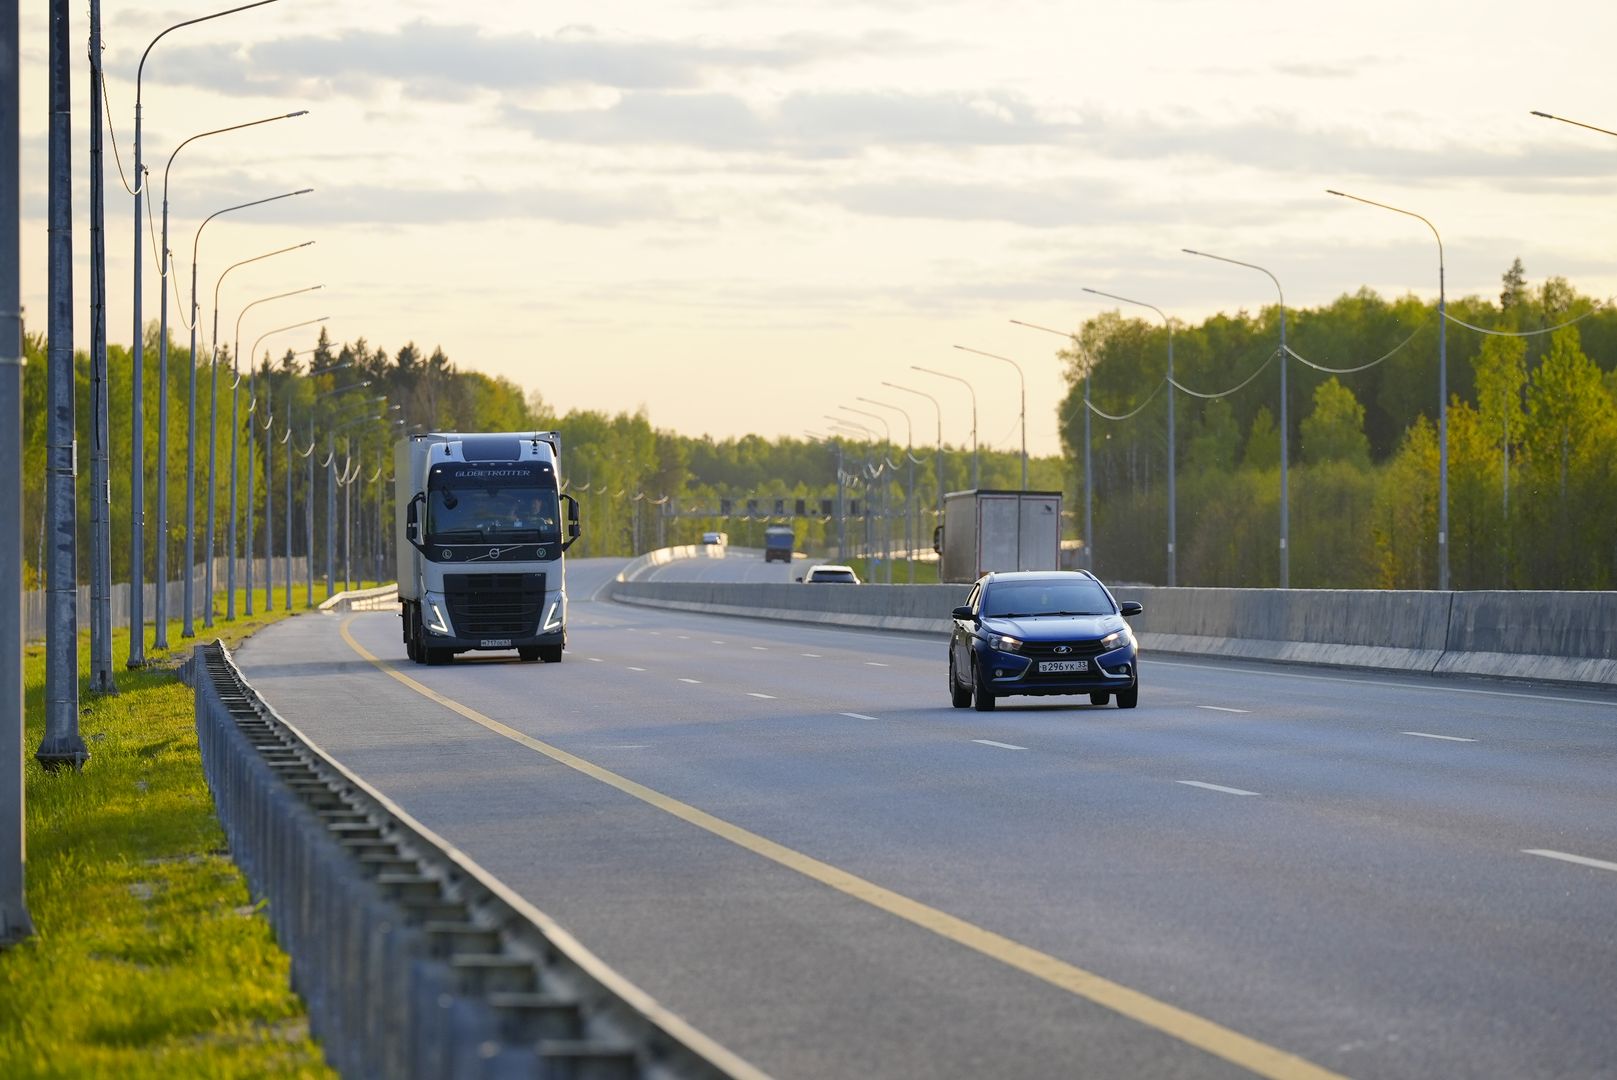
[481,537]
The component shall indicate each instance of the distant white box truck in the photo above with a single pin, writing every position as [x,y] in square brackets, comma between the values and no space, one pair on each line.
[481,536]
[997,530]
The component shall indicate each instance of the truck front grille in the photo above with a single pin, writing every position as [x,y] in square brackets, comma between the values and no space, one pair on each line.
[495,605]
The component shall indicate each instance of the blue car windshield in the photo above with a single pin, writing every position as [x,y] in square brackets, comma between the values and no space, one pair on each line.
[1076,597]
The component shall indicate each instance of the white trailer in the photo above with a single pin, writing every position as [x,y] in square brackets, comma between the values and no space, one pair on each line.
[481,537]
[984,531]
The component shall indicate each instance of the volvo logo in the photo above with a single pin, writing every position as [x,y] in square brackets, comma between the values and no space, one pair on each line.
[1063,650]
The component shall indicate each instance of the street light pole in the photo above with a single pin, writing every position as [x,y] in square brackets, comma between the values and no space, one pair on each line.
[886,507]
[137,464]
[1089,472]
[1023,380]
[189,629]
[909,497]
[1285,430]
[235,437]
[269,476]
[938,452]
[975,476]
[213,429]
[1173,522]
[1442,391]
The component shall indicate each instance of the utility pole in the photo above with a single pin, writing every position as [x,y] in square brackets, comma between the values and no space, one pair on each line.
[101,680]
[61,745]
[15,923]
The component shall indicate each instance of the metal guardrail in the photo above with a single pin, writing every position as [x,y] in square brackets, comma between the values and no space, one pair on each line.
[413,960]
[381,598]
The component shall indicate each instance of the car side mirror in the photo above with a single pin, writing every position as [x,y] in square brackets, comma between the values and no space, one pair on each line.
[1130,607]
[937,540]
[800,579]
[964,613]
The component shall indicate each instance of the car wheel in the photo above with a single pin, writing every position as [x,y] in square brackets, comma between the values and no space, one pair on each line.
[1098,698]
[550,654]
[1128,699]
[981,699]
[959,696]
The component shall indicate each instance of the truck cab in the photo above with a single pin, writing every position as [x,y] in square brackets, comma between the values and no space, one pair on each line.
[483,531]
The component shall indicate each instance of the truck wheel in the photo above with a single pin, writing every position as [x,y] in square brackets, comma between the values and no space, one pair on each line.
[550,654]
[981,699]
[412,635]
[529,653]
[438,656]
[958,697]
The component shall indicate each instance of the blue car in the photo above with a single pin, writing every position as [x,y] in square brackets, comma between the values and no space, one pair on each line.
[1043,632]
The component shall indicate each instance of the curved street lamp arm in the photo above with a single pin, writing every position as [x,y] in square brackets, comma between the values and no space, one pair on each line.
[1397,210]
[141,70]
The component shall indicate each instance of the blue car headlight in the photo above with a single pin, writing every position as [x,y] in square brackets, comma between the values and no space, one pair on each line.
[1115,640]
[1004,643]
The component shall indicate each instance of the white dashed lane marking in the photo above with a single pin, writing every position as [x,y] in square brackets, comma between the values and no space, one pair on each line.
[873,663]
[856,716]
[766,697]
[1428,735]
[691,681]
[1581,860]
[1001,745]
[810,655]
[1215,787]
[1220,708]
[759,648]
[636,668]
[595,659]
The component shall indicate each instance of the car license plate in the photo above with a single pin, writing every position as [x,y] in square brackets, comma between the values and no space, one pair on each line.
[495,643]
[1058,667]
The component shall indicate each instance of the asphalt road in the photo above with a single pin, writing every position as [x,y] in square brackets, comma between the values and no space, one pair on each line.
[1262,870]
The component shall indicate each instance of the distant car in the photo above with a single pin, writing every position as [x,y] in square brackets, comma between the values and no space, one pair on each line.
[1043,632]
[715,538]
[830,574]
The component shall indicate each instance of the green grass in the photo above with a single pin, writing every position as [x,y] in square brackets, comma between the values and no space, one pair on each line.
[926,573]
[149,959]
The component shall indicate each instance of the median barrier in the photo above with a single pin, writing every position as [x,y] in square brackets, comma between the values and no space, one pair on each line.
[1568,637]
[381,598]
[413,960]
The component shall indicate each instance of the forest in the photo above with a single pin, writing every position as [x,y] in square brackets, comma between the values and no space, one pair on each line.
[1532,448]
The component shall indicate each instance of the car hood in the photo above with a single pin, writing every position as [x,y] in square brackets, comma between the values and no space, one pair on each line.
[1055,627]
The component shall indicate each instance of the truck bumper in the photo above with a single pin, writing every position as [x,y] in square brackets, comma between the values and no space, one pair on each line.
[490,644]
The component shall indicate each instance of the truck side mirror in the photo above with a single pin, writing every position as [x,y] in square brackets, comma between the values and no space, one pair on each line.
[937,539]
[572,521]
[412,521]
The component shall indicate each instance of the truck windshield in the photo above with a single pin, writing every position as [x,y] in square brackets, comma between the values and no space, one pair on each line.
[477,513]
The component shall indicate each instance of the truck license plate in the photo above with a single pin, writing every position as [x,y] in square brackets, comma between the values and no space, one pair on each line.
[1057,667]
[496,643]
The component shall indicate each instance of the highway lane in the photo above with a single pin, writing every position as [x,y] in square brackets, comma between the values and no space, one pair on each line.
[1307,857]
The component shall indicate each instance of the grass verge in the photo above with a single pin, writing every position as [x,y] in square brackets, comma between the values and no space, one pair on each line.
[926,573]
[149,957]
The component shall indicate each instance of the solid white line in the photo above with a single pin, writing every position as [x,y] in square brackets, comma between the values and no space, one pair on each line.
[1215,787]
[636,668]
[1220,708]
[692,681]
[1001,745]
[857,716]
[766,697]
[1598,864]
[1427,735]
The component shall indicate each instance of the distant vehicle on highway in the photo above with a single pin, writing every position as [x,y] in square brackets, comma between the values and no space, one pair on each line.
[1043,632]
[778,543]
[830,574]
[716,538]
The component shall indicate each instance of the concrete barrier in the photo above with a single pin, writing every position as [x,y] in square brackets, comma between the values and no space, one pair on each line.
[1567,637]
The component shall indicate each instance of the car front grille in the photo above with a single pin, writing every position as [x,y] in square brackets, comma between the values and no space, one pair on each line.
[494,605]
[1076,650]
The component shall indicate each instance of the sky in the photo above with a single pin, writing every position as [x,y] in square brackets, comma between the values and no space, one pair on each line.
[743,216]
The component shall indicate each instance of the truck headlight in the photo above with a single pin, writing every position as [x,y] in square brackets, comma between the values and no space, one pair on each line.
[433,616]
[553,616]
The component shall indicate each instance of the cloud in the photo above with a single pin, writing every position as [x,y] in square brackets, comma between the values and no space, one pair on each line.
[455,61]
[804,124]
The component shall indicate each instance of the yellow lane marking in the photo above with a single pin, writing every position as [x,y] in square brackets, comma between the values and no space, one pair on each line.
[1252,1055]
